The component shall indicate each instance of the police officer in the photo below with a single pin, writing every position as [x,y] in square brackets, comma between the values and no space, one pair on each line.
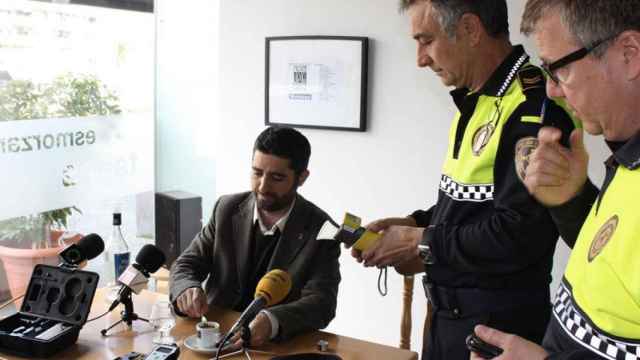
[486,245]
[592,52]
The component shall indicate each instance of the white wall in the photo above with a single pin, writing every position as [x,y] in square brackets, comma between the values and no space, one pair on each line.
[392,169]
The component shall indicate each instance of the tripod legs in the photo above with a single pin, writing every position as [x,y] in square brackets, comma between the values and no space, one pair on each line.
[127,315]
[127,318]
[104,331]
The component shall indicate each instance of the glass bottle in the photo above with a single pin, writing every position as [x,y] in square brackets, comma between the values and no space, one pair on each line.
[117,253]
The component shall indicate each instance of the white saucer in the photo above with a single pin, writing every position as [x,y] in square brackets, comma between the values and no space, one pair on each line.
[191,342]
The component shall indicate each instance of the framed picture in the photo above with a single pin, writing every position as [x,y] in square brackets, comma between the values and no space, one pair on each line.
[316,82]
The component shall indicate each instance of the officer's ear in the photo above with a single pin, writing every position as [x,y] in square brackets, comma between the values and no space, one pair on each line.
[627,44]
[470,28]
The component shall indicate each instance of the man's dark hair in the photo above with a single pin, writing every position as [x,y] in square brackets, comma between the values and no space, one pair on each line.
[287,143]
[493,14]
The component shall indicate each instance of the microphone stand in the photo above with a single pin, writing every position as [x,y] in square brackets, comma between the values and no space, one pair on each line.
[127,315]
[245,335]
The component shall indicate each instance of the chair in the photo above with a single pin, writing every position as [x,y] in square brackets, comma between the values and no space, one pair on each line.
[405,320]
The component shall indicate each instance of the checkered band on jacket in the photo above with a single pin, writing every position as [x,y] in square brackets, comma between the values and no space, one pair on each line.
[575,325]
[466,192]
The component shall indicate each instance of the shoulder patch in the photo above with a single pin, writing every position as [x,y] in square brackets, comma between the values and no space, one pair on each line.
[524,148]
[531,78]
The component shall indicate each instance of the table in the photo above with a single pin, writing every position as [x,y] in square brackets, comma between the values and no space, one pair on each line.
[93,346]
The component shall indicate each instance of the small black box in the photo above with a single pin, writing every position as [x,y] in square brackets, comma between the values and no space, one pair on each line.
[178,220]
[55,307]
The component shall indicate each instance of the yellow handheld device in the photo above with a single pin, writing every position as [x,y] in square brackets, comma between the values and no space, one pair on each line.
[352,234]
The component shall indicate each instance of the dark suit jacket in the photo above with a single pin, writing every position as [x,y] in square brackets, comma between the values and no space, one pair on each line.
[222,252]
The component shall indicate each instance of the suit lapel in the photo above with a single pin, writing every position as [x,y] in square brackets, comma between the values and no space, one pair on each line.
[242,227]
[293,238]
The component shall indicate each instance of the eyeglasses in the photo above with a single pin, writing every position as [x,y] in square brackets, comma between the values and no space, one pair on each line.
[551,70]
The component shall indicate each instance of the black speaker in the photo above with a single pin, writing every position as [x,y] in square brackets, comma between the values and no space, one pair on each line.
[178,220]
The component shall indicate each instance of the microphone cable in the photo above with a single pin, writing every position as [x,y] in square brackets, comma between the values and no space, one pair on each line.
[98,317]
[382,291]
[12,301]
[222,343]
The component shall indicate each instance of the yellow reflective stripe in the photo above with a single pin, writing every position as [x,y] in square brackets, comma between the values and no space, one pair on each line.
[531,119]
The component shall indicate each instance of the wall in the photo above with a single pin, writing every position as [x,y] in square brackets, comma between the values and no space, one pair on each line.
[390,170]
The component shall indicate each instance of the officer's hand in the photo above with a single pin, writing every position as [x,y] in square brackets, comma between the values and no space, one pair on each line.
[193,302]
[396,245]
[260,329]
[556,174]
[513,347]
[381,225]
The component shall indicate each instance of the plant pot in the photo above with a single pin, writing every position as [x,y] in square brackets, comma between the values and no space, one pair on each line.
[19,263]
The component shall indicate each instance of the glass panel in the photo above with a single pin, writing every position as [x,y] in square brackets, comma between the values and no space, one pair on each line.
[76,130]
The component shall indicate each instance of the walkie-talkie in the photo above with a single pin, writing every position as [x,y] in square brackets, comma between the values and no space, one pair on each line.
[483,349]
[546,120]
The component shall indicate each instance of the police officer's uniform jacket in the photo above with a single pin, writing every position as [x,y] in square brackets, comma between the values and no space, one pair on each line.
[597,306]
[491,241]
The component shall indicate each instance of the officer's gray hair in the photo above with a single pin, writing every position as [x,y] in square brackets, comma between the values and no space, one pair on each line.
[492,13]
[588,21]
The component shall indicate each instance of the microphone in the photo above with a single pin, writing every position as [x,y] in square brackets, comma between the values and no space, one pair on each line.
[133,279]
[85,249]
[271,289]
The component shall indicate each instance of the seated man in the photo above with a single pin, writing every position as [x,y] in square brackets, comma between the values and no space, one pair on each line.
[250,233]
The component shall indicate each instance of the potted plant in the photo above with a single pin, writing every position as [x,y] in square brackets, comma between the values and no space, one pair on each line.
[29,240]
[36,239]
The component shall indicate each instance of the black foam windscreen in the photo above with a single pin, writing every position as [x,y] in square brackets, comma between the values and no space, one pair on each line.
[91,246]
[150,258]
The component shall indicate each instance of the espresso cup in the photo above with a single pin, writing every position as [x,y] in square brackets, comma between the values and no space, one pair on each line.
[208,333]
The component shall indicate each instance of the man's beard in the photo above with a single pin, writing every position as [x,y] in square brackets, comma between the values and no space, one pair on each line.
[271,202]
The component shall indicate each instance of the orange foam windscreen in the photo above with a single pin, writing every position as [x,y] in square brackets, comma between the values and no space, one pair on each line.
[274,286]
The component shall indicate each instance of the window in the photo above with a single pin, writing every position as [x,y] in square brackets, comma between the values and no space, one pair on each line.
[76,126]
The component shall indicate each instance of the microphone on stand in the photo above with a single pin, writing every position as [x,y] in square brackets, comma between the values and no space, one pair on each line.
[76,255]
[272,288]
[134,278]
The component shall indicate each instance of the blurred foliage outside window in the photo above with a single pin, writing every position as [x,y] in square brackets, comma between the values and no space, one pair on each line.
[67,96]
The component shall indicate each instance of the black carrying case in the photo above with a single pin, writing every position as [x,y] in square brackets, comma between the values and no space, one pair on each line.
[55,307]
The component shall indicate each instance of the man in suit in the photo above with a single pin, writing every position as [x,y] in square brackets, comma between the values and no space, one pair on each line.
[250,233]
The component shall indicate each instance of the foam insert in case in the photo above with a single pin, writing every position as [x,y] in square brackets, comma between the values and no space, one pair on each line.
[55,307]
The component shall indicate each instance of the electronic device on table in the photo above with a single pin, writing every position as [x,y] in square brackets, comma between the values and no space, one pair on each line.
[164,352]
[160,352]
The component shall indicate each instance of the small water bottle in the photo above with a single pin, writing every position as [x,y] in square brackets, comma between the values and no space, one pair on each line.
[117,255]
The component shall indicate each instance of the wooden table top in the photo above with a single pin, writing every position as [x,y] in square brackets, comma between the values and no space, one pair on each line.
[91,345]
